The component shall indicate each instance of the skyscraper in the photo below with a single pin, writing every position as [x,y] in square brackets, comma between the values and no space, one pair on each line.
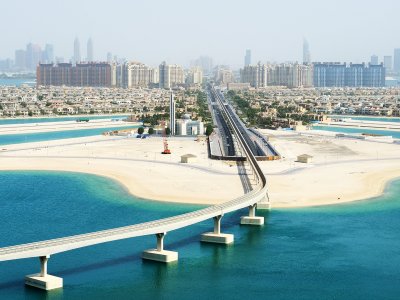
[306,52]
[48,54]
[388,63]
[396,60]
[374,60]
[20,59]
[247,58]
[109,57]
[172,113]
[33,56]
[90,50]
[77,51]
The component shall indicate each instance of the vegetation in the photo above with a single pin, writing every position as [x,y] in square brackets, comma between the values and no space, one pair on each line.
[244,110]
[209,129]
[154,119]
[140,130]
[203,110]
[253,117]
[151,130]
[167,131]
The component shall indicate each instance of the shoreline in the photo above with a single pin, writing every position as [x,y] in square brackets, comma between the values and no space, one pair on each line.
[376,192]
[342,171]
[376,188]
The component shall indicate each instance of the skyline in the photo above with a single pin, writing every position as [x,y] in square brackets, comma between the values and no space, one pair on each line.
[211,31]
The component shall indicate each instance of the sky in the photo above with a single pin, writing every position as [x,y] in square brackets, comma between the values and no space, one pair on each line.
[179,31]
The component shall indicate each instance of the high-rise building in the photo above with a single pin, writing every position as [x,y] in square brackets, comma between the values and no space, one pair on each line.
[374,76]
[172,113]
[33,56]
[20,59]
[81,75]
[388,63]
[255,75]
[356,75]
[135,74]
[170,75]
[48,54]
[223,75]
[77,51]
[396,60]
[89,49]
[329,74]
[306,52]
[247,58]
[374,60]
[290,75]
[205,62]
[109,57]
[195,76]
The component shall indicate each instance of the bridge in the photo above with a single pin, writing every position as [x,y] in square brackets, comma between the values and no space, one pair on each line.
[256,198]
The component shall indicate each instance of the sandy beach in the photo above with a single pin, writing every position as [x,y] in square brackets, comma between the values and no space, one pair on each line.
[342,170]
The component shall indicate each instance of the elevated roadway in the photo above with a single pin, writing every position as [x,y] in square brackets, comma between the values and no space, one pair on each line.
[257,196]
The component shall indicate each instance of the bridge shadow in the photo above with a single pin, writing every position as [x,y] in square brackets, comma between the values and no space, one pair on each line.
[244,178]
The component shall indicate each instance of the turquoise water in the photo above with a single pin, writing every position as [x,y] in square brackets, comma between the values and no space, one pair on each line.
[346,251]
[17,81]
[57,119]
[364,118]
[56,135]
[394,134]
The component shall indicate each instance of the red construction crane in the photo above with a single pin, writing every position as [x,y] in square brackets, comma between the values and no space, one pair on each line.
[164,134]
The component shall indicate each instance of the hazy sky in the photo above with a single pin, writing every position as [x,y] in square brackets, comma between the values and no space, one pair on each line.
[178,30]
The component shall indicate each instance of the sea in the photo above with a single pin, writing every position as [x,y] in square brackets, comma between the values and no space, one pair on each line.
[17,81]
[29,120]
[366,118]
[346,251]
[56,135]
[394,134]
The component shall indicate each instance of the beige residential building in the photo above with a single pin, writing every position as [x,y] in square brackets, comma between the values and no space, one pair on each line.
[256,75]
[170,76]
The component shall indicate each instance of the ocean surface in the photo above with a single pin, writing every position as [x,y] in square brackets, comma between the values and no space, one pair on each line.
[17,81]
[56,135]
[28,120]
[394,134]
[365,118]
[348,251]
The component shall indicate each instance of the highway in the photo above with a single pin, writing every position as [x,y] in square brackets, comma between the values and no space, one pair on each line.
[53,246]
[257,143]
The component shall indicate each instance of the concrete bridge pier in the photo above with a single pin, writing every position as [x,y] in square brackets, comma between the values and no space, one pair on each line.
[252,219]
[43,280]
[160,254]
[216,236]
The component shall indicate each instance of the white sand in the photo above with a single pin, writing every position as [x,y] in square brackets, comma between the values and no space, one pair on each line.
[342,170]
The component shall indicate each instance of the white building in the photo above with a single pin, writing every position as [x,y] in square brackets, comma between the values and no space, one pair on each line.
[186,126]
